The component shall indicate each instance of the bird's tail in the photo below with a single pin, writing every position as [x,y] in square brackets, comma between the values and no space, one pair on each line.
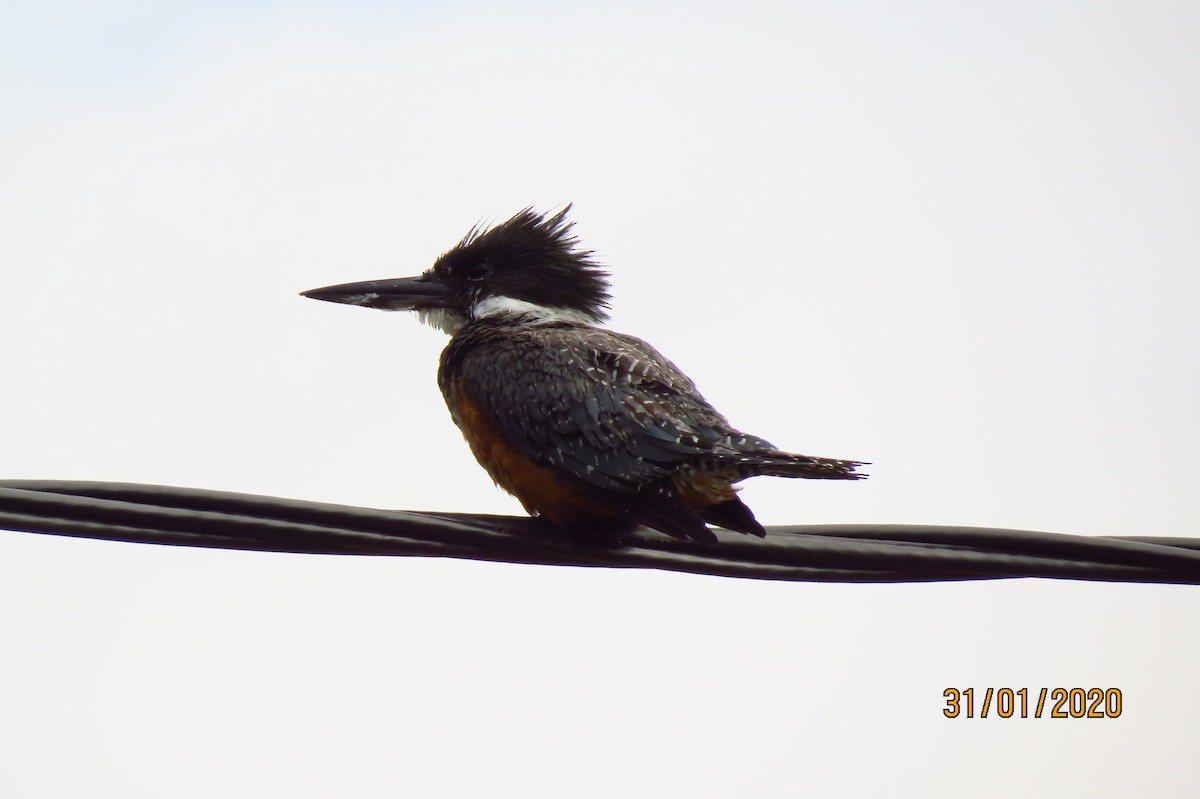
[787,464]
[758,457]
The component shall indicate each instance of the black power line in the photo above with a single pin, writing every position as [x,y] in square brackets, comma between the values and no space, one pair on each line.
[823,553]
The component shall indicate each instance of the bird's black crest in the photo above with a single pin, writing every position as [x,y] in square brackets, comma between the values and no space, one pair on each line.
[532,257]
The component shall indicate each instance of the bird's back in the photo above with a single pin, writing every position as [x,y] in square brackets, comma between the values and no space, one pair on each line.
[615,430]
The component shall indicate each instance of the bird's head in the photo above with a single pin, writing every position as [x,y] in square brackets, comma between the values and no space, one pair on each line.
[527,269]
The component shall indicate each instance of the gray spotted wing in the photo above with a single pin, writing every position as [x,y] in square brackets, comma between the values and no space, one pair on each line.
[605,408]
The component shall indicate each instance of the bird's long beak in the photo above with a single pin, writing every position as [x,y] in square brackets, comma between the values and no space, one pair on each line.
[398,294]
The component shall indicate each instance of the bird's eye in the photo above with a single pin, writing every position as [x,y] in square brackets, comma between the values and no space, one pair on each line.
[479,271]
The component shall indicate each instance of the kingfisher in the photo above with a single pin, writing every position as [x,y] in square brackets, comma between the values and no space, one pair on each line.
[593,431]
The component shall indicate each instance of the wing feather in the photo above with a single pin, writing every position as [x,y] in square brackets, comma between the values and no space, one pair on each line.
[606,408]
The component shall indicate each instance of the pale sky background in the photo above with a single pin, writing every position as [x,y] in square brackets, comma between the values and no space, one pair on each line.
[958,240]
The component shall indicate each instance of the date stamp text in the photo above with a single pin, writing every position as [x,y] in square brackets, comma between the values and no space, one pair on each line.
[1053,703]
